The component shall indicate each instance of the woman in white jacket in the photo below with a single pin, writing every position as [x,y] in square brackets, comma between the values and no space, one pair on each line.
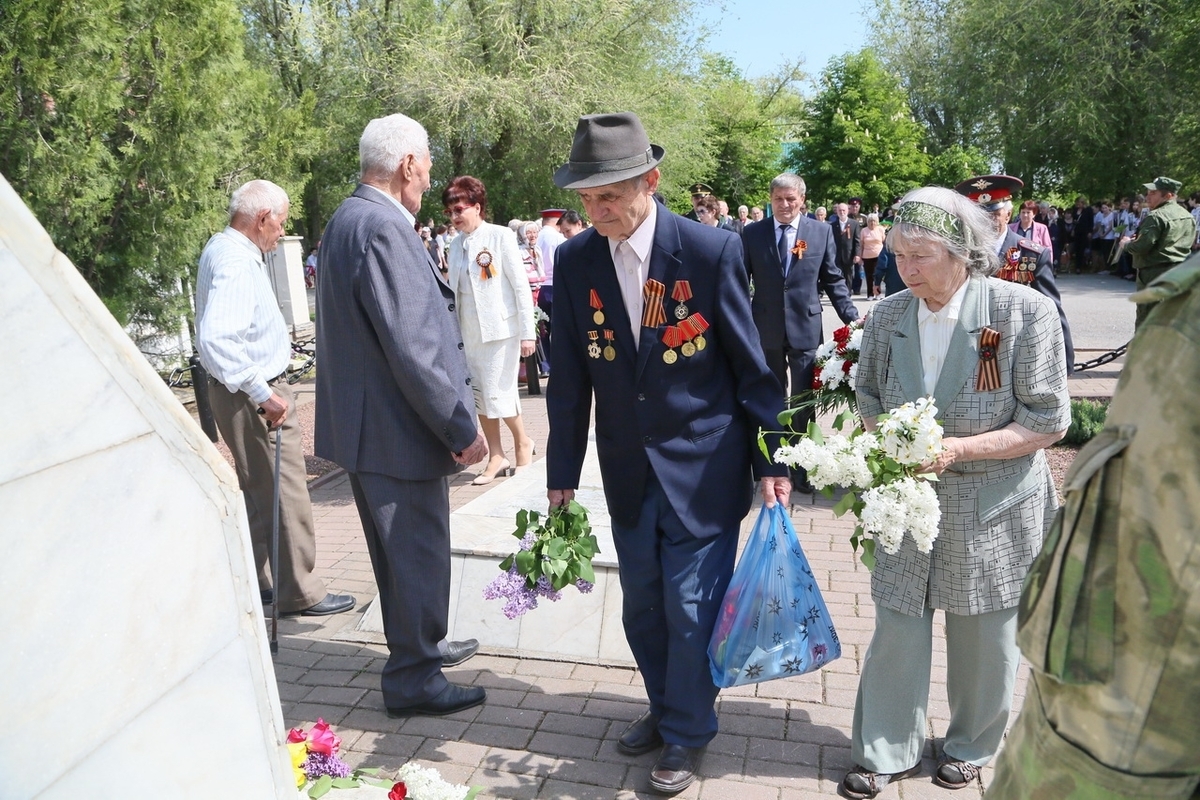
[495,313]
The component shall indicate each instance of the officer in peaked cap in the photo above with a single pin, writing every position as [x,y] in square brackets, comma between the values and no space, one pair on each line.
[1021,260]
[699,191]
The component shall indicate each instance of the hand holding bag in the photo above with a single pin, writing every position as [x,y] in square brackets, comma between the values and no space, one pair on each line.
[773,622]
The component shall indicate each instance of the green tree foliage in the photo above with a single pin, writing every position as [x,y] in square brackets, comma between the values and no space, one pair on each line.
[859,137]
[744,121]
[125,125]
[1090,96]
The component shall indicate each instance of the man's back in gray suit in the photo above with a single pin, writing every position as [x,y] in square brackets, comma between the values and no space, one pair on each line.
[394,405]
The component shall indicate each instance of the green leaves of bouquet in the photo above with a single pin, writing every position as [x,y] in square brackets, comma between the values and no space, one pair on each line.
[556,550]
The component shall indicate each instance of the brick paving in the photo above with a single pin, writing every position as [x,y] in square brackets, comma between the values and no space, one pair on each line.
[548,728]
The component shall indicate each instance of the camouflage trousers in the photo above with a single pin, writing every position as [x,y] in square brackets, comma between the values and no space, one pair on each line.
[1037,763]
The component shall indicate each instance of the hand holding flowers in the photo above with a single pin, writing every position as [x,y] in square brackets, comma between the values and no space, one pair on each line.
[886,473]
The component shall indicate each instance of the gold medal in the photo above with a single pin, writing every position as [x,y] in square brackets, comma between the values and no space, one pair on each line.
[688,349]
[681,311]
[610,352]
[598,317]
[670,357]
[610,336]
[699,342]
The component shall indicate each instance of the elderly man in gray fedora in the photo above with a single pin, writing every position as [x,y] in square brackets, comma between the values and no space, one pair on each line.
[652,321]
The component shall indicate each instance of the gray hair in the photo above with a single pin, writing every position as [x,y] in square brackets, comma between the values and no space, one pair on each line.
[386,141]
[788,180]
[975,249]
[256,196]
[537,227]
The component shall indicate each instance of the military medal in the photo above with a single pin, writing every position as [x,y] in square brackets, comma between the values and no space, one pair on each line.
[610,352]
[484,260]
[1014,256]
[694,328]
[594,302]
[653,314]
[681,294]
[594,347]
[688,349]
[671,337]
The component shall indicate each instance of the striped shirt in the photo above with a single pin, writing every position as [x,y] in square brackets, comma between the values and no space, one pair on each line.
[240,332]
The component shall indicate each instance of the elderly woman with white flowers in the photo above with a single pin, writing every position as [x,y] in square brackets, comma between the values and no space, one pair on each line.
[991,355]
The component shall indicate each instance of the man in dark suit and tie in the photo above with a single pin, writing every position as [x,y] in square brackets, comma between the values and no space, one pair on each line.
[653,321]
[395,407]
[845,231]
[791,260]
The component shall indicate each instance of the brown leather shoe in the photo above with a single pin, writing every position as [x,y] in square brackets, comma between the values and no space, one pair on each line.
[641,736]
[860,783]
[676,768]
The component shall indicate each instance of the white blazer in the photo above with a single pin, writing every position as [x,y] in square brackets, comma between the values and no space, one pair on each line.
[504,302]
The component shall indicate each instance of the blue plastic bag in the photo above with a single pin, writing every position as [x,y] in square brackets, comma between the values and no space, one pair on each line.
[773,623]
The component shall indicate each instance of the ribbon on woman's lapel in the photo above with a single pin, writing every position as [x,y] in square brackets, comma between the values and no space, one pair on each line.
[989,369]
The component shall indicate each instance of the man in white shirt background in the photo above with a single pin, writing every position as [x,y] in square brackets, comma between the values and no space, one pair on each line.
[243,343]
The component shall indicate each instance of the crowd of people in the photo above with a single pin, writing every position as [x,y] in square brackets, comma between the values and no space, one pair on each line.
[679,341]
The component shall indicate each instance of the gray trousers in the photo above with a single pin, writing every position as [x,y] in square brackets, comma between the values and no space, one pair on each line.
[407,527]
[245,432]
[893,691]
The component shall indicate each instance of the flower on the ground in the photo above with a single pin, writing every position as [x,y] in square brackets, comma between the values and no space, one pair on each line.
[399,792]
[880,470]
[554,551]
[427,784]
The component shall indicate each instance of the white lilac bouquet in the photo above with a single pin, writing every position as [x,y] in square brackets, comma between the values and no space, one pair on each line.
[880,472]
[835,370]
[555,550]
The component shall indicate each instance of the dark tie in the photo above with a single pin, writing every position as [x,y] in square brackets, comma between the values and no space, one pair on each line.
[783,248]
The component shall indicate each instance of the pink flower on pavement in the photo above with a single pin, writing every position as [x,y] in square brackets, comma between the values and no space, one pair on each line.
[322,740]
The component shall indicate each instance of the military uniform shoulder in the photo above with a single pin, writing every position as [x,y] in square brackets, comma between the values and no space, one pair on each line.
[1031,246]
[1172,283]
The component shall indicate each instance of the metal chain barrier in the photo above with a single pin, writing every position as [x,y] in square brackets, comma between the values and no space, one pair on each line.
[1111,355]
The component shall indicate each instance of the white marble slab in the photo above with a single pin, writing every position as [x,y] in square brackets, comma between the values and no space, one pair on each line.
[133,647]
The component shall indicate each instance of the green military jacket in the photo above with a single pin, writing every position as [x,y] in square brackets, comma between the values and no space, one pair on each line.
[1164,238]
[1110,615]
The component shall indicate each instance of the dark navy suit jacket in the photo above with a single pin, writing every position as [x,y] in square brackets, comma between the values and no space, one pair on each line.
[793,304]
[696,421]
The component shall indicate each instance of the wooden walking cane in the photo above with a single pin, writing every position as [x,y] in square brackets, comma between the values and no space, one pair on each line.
[275,546]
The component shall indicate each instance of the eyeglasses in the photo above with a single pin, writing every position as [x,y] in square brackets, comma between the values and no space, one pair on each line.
[458,210]
[703,211]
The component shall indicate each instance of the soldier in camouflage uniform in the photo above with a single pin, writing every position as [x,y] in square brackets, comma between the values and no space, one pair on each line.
[1163,239]
[1110,615]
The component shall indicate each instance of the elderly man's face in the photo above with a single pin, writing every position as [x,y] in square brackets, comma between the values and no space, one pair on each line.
[415,172]
[843,211]
[616,210]
[1000,218]
[268,229]
[786,204]
[743,212]
[756,214]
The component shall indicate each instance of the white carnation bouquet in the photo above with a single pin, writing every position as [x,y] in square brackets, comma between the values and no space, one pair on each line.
[880,471]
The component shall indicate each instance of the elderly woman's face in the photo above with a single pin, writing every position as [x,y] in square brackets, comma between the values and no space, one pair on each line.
[1026,215]
[928,271]
[465,216]
[531,234]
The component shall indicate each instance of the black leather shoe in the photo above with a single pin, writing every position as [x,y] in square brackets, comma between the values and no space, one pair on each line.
[641,736]
[860,783]
[676,768]
[452,699]
[267,595]
[456,653]
[332,604]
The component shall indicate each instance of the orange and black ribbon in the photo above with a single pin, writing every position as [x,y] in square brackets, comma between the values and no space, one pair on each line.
[989,369]
[653,314]
[484,261]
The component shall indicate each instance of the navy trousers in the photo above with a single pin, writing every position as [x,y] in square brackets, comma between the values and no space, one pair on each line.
[673,584]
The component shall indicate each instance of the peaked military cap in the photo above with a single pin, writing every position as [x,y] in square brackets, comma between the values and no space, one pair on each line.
[991,192]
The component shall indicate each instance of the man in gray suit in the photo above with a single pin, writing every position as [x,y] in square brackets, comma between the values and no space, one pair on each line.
[394,405]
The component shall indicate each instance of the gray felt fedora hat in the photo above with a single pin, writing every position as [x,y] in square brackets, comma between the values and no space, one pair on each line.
[608,148]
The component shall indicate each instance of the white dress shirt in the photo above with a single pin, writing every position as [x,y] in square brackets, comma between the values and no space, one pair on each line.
[548,240]
[935,330]
[632,261]
[240,333]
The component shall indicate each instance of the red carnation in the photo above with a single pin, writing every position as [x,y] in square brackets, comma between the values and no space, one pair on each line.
[398,792]
[842,334]
[846,365]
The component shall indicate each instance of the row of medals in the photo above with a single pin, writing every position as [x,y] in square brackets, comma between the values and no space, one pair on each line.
[688,349]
